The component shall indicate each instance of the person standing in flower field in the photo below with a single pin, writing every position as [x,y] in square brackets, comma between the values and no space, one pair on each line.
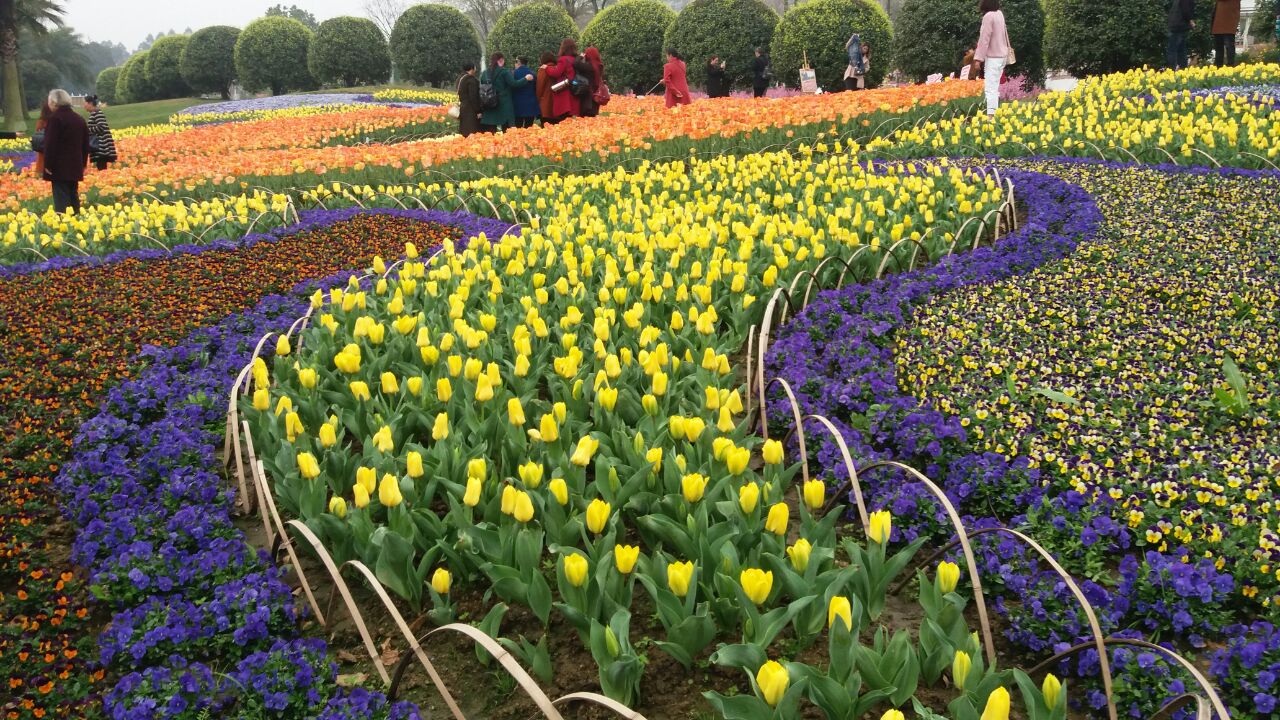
[992,51]
[761,73]
[101,142]
[66,152]
[717,83]
[563,102]
[855,75]
[542,88]
[468,101]
[1181,22]
[1226,20]
[675,80]
[525,97]
[503,115]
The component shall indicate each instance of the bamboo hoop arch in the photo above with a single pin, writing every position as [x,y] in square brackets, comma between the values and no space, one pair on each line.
[795,414]
[283,539]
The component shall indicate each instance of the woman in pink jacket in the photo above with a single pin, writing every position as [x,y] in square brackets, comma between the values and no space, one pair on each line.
[992,51]
[673,77]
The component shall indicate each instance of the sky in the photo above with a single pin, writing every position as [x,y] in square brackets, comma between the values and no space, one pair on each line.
[130,21]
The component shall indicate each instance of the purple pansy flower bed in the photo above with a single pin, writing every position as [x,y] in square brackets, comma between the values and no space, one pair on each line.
[202,623]
[21,160]
[284,102]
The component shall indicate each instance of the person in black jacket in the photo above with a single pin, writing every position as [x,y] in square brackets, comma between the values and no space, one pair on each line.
[66,152]
[717,84]
[105,152]
[762,73]
[468,101]
[1181,21]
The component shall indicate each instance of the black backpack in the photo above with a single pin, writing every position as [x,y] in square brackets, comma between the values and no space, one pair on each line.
[488,96]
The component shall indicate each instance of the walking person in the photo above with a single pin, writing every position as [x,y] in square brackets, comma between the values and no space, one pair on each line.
[591,68]
[563,102]
[1226,20]
[761,73]
[675,79]
[992,51]
[101,142]
[525,95]
[66,152]
[1182,15]
[37,139]
[468,101]
[855,75]
[542,87]
[717,82]
[504,83]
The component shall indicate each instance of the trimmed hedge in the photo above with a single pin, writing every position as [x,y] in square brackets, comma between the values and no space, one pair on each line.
[209,62]
[272,53]
[1087,37]
[429,43]
[163,62]
[105,87]
[934,35]
[629,37]
[351,51]
[732,29]
[134,86]
[820,28]
[531,29]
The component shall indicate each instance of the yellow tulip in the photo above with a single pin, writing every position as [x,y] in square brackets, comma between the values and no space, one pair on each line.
[440,430]
[522,509]
[361,496]
[548,430]
[389,491]
[773,680]
[748,497]
[624,557]
[308,466]
[414,384]
[893,715]
[675,424]
[284,405]
[693,428]
[328,436]
[382,439]
[1052,690]
[575,569]
[472,496]
[260,377]
[347,362]
[679,575]
[282,346]
[484,389]
[960,666]
[444,390]
[360,390]
[472,369]
[477,468]
[654,457]
[776,523]
[410,250]
[337,506]
[608,398]
[997,705]
[815,494]
[515,412]
[737,459]
[650,404]
[262,399]
[598,515]
[693,486]
[948,576]
[390,384]
[720,446]
[508,499]
[441,581]
[583,453]
[725,423]
[757,584]
[881,527]
[839,607]
[307,377]
[559,490]
[531,474]
[367,478]
[799,555]
[659,383]
[413,461]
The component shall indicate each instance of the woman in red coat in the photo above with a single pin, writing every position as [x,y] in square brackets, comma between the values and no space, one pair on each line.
[673,77]
[563,102]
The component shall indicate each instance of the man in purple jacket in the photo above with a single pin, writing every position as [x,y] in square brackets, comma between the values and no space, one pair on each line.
[1181,22]
[66,152]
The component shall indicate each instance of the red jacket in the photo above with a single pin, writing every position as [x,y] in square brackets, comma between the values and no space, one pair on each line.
[66,146]
[563,102]
[673,76]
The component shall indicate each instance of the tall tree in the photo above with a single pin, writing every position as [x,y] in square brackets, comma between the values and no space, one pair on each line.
[34,15]
[385,13]
[293,11]
[484,14]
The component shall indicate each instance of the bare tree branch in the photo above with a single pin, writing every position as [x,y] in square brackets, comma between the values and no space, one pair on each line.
[384,13]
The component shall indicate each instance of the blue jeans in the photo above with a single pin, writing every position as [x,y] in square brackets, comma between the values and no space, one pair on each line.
[1176,52]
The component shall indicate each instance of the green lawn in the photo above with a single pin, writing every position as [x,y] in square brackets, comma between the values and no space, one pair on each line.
[148,113]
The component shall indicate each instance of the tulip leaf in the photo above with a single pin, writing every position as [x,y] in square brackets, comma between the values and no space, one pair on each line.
[490,626]
[744,656]
[828,694]
[739,707]
[676,651]
[539,594]
[395,568]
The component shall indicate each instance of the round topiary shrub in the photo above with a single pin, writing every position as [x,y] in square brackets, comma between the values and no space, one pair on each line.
[134,85]
[430,43]
[105,87]
[629,37]
[163,61]
[934,35]
[731,29]
[350,51]
[209,62]
[820,30]
[272,53]
[1085,37]
[531,29]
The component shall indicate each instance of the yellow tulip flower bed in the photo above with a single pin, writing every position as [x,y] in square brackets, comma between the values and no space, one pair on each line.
[554,414]
[1106,119]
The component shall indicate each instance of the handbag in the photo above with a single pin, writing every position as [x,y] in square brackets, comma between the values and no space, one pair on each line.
[1012,57]
[455,112]
[602,96]
[37,141]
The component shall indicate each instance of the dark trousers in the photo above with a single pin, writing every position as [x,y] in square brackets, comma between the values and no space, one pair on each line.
[66,195]
[524,122]
[759,89]
[1224,50]
[1176,52]
[101,164]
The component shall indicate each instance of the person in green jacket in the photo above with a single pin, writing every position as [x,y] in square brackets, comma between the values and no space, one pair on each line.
[497,74]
